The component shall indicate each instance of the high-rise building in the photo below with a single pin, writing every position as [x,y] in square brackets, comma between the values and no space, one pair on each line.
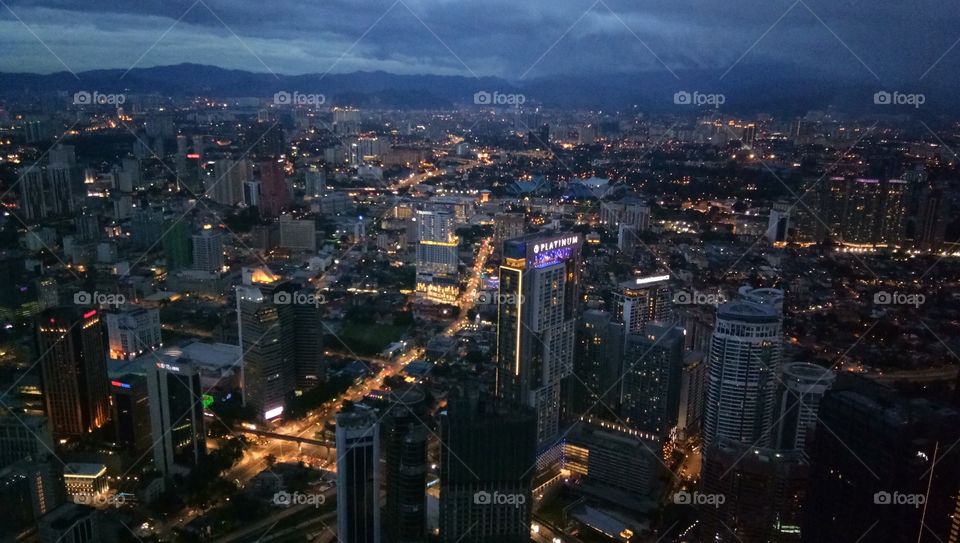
[763,489]
[597,366]
[865,212]
[24,437]
[652,375]
[315,182]
[405,467]
[70,523]
[358,478]
[132,331]
[225,184]
[33,194]
[486,470]
[881,466]
[146,228]
[176,416]
[176,244]
[297,234]
[507,226]
[539,284]
[74,370]
[693,394]
[131,413]
[931,222]
[744,360]
[59,189]
[801,387]
[642,300]
[437,256]
[274,196]
[208,250]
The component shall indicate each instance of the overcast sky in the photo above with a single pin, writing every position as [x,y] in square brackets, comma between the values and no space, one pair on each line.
[868,39]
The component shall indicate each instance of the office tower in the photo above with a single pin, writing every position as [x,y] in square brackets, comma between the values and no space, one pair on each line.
[59,198]
[74,369]
[486,470]
[28,490]
[131,414]
[176,417]
[801,387]
[608,456]
[693,394]
[778,226]
[176,244]
[875,451]
[437,256]
[24,437]
[536,324]
[267,342]
[358,478]
[597,366]
[298,235]
[208,250]
[405,467]
[274,197]
[642,300]
[33,194]
[132,331]
[931,222]
[652,374]
[225,186]
[764,491]
[183,171]
[70,523]
[146,228]
[266,140]
[310,367]
[315,181]
[744,359]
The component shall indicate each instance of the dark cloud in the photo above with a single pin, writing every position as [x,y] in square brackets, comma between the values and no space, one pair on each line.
[862,39]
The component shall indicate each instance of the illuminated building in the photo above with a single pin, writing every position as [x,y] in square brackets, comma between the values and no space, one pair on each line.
[536,323]
[744,359]
[597,365]
[84,480]
[507,226]
[74,370]
[176,416]
[693,394]
[358,478]
[405,466]
[437,256]
[489,453]
[652,374]
[642,300]
[608,455]
[132,331]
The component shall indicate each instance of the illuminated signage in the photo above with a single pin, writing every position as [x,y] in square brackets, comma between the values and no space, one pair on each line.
[273,413]
[207,401]
[88,314]
[168,367]
[558,243]
[654,279]
[194,156]
[119,384]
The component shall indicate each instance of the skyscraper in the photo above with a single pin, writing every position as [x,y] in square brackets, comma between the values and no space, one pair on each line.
[875,455]
[536,318]
[176,244]
[274,197]
[208,249]
[437,256]
[132,331]
[176,416]
[225,184]
[597,366]
[802,385]
[268,345]
[405,467]
[74,370]
[358,478]
[486,470]
[652,374]
[131,413]
[744,360]
[642,300]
